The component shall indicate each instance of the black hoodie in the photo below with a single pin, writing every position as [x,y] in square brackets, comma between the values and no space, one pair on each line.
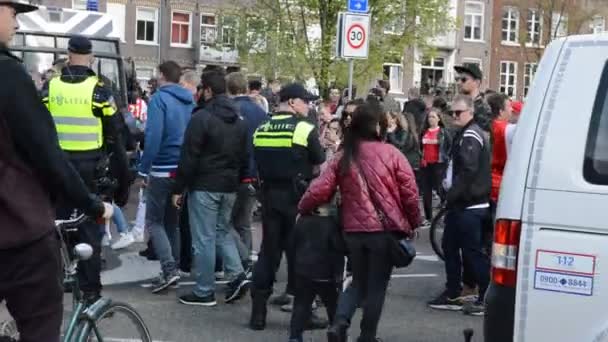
[214,155]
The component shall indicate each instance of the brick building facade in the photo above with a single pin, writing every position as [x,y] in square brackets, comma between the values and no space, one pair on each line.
[521,30]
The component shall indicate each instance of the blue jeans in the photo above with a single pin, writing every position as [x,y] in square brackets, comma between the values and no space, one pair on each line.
[119,220]
[210,216]
[462,243]
[161,218]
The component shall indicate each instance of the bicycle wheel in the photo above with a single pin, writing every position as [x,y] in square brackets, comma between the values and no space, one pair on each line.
[117,322]
[436,232]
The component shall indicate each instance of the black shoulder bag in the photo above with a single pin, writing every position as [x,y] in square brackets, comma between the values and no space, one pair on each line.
[402,249]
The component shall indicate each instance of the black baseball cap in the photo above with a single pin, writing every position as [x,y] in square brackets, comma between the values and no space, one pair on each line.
[295,91]
[80,45]
[20,6]
[470,69]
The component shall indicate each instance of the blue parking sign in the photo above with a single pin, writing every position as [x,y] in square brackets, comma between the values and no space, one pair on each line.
[360,6]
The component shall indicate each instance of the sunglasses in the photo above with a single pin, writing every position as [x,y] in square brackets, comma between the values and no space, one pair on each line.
[345,113]
[457,113]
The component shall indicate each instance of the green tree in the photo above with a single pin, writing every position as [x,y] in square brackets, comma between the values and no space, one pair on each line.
[296,38]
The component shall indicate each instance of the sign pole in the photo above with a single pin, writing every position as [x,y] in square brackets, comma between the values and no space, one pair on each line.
[351,67]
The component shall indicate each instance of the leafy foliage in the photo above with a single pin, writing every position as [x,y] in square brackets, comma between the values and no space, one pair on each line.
[295,39]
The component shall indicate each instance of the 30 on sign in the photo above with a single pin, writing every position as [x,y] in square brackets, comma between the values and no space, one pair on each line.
[356,36]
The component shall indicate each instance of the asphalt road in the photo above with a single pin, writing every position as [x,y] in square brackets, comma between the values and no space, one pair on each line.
[406,317]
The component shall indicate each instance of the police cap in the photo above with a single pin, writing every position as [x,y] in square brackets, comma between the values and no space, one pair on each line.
[295,91]
[80,45]
[20,6]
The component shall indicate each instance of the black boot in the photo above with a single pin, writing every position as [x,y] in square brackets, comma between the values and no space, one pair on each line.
[337,333]
[258,309]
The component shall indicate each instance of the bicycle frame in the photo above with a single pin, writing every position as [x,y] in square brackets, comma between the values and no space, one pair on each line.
[81,311]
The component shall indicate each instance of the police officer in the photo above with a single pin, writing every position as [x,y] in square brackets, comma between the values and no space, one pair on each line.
[286,148]
[88,127]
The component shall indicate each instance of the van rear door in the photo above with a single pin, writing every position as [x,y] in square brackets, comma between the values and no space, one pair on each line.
[562,285]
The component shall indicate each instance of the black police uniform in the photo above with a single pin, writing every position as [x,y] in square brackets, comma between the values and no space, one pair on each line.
[287,148]
[89,165]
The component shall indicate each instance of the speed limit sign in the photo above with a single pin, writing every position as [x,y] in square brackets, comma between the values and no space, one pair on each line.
[355,35]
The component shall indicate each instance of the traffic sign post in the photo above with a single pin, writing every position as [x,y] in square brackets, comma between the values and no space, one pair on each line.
[358,6]
[355,35]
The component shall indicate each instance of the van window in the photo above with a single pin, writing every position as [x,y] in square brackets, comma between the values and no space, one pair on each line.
[595,169]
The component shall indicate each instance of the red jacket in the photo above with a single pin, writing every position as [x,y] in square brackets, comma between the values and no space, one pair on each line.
[499,155]
[391,181]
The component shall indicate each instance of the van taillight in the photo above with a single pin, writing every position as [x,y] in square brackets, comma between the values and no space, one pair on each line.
[504,252]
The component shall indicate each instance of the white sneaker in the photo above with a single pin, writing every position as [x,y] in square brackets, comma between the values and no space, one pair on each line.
[126,239]
[105,242]
[138,235]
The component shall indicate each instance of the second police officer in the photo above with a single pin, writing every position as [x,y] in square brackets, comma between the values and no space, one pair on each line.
[88,128]
[287,148]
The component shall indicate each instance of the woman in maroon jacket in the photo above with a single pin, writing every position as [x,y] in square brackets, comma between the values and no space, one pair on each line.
[378,195]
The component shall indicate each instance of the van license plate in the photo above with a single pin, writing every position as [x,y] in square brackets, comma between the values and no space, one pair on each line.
[565,283]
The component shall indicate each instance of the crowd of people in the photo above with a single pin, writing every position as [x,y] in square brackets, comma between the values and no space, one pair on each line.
[342,165]
[339,182]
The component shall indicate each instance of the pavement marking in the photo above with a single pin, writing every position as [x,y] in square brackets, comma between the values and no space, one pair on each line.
[118,339]
[424,257]
[418,275]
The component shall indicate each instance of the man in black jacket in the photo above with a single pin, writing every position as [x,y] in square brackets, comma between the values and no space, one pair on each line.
[468,203]
[34,172]
[213,161]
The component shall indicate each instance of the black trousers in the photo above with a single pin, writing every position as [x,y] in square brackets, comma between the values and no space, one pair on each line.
[463,245]
[279,210]
[431,179]
[90,232]
[31,283]
[372,268]
[305,292]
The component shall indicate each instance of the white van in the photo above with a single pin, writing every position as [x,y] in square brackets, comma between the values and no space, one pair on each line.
[550,254]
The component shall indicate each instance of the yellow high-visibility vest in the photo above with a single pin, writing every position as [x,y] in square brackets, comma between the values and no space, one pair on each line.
[71,107]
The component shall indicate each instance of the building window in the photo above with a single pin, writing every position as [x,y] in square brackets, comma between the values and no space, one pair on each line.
[508,78]
[147,28]
[257,34]
[80,5]
[229,31]
[208,29]
[599,24]
[559,25]
[472,61]
[510,25]
[394,74]
[535,26]
[180,29]
[432,75]
[473,20]
[529,72]
[144,74]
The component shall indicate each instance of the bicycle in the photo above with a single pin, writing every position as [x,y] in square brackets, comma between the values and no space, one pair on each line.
[436,232]
[86,320]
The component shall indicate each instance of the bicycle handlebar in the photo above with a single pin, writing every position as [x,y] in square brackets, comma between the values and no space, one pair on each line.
[71,223]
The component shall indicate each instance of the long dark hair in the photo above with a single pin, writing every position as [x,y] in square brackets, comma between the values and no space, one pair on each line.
[363,127]
[406,124]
